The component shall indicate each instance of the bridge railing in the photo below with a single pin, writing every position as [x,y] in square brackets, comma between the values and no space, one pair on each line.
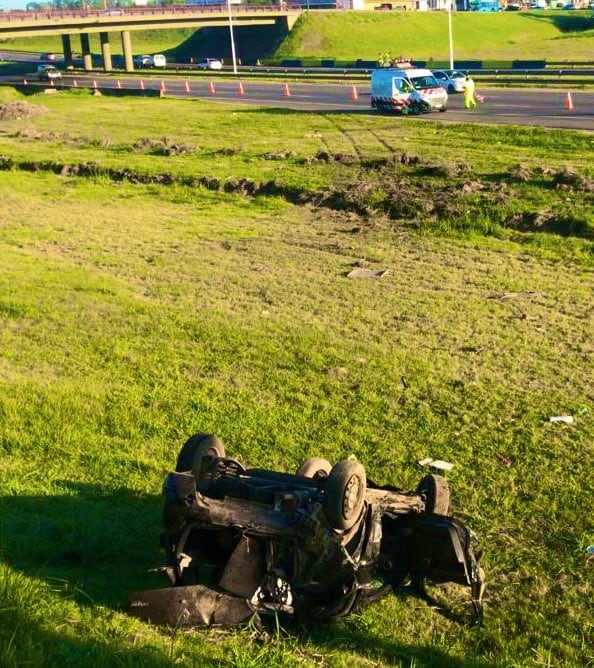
[20,16]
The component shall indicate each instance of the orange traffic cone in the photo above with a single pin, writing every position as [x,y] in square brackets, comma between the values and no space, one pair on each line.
[74,84]
[141,84]
[94,84]
[568,102]
[240,89]
[163,89]
[211,88]
[25,82]
[354,94]
[286,91]
[118,84]
[52,83]
[187,86]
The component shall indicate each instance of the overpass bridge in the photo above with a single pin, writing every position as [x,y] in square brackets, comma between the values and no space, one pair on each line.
[82,22]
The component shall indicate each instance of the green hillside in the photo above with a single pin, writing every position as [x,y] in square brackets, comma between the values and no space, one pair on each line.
[550,35]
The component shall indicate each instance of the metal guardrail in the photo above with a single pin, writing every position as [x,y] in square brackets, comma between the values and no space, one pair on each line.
[577,76]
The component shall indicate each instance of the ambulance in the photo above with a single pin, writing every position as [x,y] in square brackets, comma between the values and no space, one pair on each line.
[409,91]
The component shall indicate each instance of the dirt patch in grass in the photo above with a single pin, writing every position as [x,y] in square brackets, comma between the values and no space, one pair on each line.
[10,111]
[163,146]
[401,187]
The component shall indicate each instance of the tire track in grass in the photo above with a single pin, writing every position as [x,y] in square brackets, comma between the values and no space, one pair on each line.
[391,150]
[345,133]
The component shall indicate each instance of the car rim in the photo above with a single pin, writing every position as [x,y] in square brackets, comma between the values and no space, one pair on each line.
[352,496]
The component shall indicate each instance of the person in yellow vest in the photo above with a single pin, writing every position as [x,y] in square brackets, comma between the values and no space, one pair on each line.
[469,101]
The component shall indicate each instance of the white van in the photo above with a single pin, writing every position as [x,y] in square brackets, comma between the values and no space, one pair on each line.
[410,91]
[158,60]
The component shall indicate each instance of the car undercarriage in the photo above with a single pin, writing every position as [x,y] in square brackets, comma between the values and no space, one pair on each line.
[244,543]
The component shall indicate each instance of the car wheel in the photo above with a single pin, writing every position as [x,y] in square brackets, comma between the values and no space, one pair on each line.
[345,494]
[435,491]
[314,467]
[443,109]
[197,447]
[451,89]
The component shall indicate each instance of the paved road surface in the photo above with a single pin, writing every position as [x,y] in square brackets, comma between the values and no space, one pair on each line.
[532,107]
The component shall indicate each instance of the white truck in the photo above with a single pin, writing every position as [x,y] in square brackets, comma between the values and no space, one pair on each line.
[410,91]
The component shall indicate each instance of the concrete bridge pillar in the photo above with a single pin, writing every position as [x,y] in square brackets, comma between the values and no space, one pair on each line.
[106,51]
[127,49]
[85,47]
[67,50]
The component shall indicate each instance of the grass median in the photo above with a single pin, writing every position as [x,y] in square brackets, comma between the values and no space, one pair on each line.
[170,266]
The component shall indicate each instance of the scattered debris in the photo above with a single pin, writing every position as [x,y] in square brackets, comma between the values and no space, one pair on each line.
[279,155]
[567,419]
[436,464]
[472,186]
[360,272]
[503,459]
[164,146]
[521,173]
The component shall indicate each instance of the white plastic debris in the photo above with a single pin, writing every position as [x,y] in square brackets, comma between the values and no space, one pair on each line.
[568,419]
[436,464]
[366,273]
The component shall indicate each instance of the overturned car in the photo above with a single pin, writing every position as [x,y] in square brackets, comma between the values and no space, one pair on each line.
[318,544]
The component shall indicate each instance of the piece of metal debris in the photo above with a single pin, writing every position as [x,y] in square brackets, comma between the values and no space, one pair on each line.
[503,459]
[360,272]
[436,464]
[567,419]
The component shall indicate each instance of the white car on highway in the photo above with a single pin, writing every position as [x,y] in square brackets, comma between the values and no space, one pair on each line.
[210,64]
[451,80]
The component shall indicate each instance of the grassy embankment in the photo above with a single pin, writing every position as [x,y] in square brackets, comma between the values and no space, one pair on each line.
[137,307]
[556,36]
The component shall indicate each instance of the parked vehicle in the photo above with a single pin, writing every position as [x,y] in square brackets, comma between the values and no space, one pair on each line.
[210,64]
[451,80]
[410,91]
[48,73]
[142,61]
[50,57]
[158,60]
[485,6]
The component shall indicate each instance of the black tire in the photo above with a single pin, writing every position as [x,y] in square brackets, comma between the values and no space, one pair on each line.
[314,467]
[435,491]
[415,109]
[345,494]
[443,109]
[197,447]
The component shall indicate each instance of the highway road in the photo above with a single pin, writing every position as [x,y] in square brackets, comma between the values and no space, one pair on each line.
[532,107]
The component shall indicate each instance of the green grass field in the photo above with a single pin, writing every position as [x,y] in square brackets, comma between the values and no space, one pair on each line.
[551,35]
[556,36]
[145,295]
